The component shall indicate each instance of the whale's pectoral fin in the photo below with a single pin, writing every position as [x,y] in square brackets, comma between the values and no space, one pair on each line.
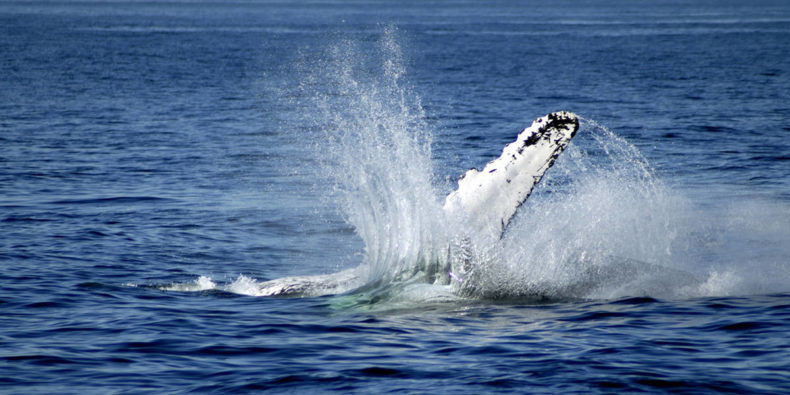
[489,198]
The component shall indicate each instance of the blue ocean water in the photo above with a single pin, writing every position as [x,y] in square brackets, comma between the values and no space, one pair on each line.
[160,160]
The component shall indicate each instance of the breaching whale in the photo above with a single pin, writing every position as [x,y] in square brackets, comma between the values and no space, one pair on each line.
[486,199]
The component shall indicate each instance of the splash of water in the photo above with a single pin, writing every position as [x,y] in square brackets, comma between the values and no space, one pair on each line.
[600,225]
[604,202]
[376,148]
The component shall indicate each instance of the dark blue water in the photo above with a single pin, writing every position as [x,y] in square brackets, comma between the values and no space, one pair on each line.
[159,160]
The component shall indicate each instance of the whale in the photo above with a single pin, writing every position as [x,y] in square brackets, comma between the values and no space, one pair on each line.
[486,200]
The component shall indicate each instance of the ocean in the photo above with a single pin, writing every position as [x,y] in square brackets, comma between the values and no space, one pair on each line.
[163,160]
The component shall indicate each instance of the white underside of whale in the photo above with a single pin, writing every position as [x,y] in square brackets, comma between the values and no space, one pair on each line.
[486,200]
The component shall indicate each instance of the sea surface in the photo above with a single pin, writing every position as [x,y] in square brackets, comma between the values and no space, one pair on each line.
[161,160]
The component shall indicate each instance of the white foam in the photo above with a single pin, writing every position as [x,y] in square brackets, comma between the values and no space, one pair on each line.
[244,285]
[202,283]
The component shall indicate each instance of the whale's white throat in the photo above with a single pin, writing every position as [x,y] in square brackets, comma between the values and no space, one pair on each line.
[484,204]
